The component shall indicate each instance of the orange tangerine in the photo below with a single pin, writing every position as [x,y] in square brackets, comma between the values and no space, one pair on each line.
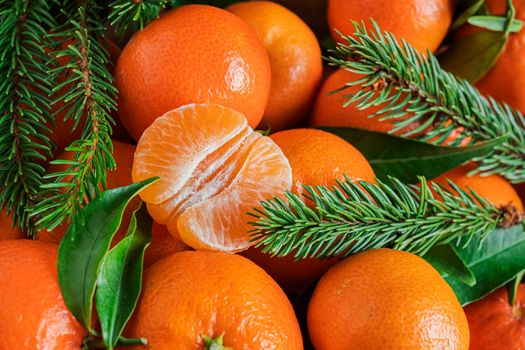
[317,158]
[295,60]
[162,245]
[495,188]
[423,24]
[192,54]
[190,297]
[213,170]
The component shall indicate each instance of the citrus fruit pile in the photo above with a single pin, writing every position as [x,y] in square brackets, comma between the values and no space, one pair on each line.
[225,107]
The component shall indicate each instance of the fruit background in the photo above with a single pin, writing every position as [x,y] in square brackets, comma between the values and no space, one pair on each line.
[287,174]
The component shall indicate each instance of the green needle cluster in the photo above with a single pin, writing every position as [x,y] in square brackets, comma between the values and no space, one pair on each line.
[354,217]
[412,89]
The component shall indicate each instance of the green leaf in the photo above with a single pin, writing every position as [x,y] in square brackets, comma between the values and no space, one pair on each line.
[512,288]
[406,159]
[85,244]
[472,56]
[471,8]
[495,23]
[495,261]
[120,278]
[446,260]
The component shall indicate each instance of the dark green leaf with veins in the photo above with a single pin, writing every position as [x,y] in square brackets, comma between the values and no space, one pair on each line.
[494,260]
[472,56]
[85,245]
[120,278]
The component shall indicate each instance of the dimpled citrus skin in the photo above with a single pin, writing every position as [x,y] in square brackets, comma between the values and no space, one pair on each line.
[385,299]
[317,158]
[32,312]
[423,23]
[504,80]
[191,294]
[494,187]
[320,158]
[192,54]
[295,59]
[494,324]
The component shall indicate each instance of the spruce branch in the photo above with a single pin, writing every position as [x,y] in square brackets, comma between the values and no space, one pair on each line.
[89,97]
[134,14]
[351,218]
[412,89]
[24,105]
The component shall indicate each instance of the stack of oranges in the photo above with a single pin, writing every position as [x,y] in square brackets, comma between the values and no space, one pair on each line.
[193,86]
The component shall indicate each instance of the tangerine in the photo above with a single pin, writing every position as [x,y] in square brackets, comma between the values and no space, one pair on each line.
[162,245]
[193,299]
[495,188]
[423,24]
[329,107]
[495,324]
[330,110]
[295,60]
[32,312]
[386,299]
[313,12]
[320,158]
[317,158]
[192,54]
[213,170]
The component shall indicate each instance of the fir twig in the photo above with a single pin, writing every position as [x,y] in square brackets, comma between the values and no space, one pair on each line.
[413,89]
[89,97]
[24,104]
[134,14]
[351,218]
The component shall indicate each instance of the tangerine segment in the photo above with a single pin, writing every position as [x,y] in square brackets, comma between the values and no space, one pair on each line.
[174,146]
[214,173]
[213,169]
[228,210]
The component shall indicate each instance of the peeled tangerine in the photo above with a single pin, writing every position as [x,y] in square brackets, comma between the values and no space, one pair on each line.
[213,170]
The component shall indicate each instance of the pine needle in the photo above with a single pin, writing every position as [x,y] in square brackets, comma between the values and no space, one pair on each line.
[412,88]
[24,105]
[354,217]
[133,15]
[90,97]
